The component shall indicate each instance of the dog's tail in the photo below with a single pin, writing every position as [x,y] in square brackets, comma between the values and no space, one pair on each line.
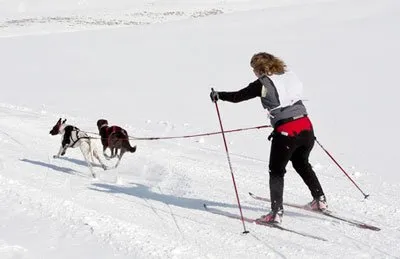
[128,145]
[132,149]
[123,138]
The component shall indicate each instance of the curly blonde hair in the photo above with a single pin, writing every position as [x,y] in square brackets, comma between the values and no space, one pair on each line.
[265,63]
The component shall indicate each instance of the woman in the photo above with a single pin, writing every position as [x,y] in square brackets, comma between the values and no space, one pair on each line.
[293,136]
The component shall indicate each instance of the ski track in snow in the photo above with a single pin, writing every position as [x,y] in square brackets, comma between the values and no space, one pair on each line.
[51,24]
[29,19]
[159,183]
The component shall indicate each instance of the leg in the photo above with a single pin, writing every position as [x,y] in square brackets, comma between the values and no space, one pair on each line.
[114,152]
[90,149]
[96,155]
[119,157]
[105,154]
[302,166]
[86,154]
[119,160]
[61,152]
[282,148]
[113,144]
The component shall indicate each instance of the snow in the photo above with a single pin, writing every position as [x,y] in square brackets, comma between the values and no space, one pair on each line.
[148,66]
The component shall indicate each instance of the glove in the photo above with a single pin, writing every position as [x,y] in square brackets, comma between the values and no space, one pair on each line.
[214,96]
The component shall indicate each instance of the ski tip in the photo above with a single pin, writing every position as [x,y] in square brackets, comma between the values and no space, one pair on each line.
[370,227]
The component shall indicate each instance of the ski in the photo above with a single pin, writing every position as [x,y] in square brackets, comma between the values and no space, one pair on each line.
[325,213]
[254,221]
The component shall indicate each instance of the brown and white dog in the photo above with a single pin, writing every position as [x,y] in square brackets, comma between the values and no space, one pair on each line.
[72,137]
[115,138]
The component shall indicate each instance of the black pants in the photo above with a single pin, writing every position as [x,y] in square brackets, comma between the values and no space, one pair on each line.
[296,149]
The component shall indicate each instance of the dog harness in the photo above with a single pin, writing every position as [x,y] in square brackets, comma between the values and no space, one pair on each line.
[112,130]
[72,136]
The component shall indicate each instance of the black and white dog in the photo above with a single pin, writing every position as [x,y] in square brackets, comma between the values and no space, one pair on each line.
[72,137]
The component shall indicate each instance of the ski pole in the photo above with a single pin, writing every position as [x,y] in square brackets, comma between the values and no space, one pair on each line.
[333,159]
[230,166]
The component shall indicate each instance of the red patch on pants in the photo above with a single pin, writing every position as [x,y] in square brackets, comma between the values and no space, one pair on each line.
[294,127]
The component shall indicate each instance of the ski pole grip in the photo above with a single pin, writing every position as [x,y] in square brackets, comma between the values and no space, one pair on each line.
[213,95]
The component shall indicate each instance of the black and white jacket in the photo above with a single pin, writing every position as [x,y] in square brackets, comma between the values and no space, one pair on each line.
[281,96]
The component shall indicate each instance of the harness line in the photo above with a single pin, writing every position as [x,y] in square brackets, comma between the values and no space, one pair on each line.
[185,136]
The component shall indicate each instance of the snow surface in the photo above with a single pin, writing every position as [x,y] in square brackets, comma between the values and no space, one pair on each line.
[148,66]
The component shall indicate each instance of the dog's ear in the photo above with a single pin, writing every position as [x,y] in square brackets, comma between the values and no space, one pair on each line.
[55,129]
